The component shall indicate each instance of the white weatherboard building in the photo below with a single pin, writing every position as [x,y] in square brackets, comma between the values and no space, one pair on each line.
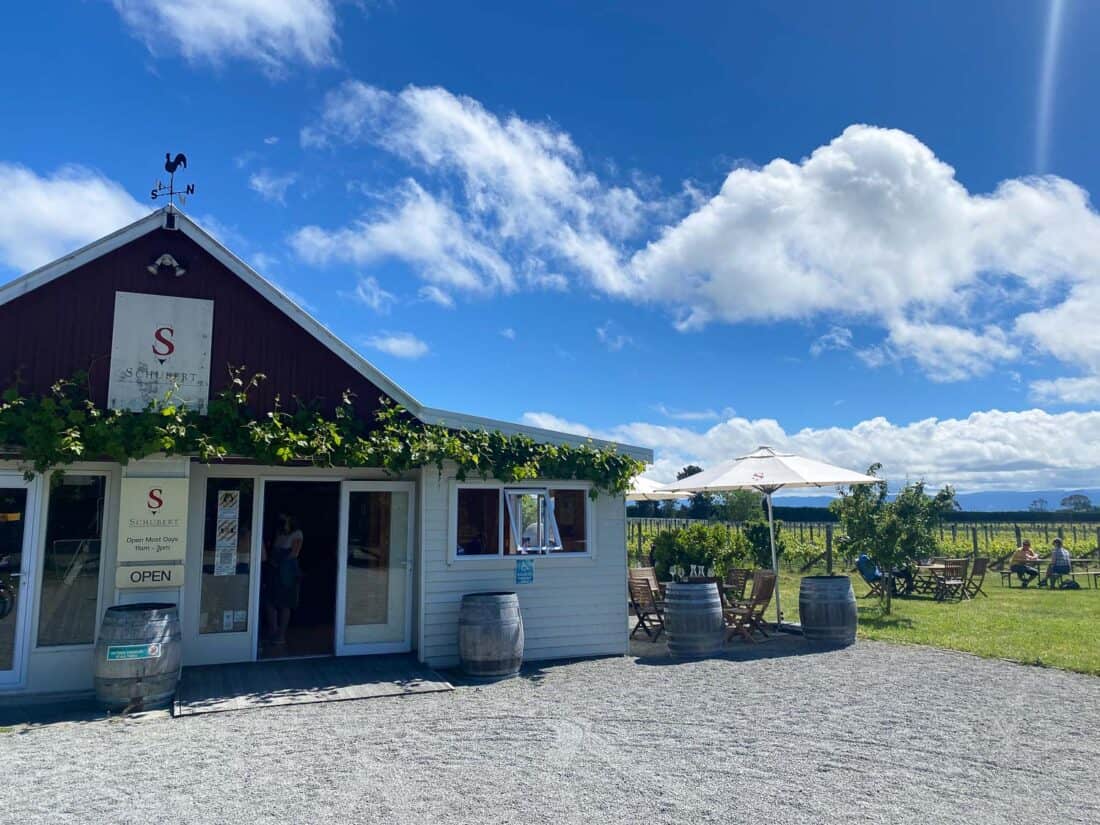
[385,561]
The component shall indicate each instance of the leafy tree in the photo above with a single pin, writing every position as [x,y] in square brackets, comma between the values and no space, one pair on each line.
[1077,503]
[709,545]
[702,504]
[891,533]
[1038,505]
[688,471]
[737,505]
[759,540]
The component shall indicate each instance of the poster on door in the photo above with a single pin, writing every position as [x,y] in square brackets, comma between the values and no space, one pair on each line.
[160,344]
[152,532]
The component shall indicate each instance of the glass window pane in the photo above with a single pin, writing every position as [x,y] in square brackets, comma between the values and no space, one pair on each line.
[570,515]
[531,524]
[69,602]
[226,556]
[13,516]
[377,570]
[478,522]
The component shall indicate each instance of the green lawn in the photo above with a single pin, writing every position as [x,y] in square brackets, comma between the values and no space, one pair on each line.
[1059,628]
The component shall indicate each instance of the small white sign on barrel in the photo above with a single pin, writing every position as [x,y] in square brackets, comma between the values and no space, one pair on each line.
[160,343]
[152,533]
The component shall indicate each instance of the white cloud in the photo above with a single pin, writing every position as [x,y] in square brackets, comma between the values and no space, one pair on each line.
[872,224]
[418,228]
[44,217]
[270,186]
[398,344]
[871,228]
[694,415]
[270,33]
[609,335]
[1031,449]
[370,293]
[522,186]
[1084,390]
[435,295]
[271,141]
[837,338]
[508,333]
[944,352]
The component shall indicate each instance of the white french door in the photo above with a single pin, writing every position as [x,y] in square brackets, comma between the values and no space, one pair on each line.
[17,543]
[374,590]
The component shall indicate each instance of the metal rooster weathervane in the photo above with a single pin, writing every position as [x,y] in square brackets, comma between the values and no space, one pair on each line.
[170,166]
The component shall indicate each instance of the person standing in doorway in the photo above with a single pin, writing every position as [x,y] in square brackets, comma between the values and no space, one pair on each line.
[283,575]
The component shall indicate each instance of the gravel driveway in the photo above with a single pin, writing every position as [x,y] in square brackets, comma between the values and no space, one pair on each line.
[874,733]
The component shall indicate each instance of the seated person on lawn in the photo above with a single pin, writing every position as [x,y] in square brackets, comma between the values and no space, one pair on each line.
[1060,564]
[871,574]
[1023,563]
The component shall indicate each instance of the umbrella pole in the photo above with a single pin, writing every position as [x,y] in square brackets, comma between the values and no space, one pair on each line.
[775,561]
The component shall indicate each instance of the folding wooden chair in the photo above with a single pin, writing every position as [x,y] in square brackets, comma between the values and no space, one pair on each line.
[648,575]
[974,581]
[742,618]
[648,607]
[951,583]
[737,580]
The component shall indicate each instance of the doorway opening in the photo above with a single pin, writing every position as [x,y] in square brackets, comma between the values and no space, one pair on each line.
[301,535]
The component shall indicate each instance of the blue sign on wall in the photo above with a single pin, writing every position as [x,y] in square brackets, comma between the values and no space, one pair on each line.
[525,571]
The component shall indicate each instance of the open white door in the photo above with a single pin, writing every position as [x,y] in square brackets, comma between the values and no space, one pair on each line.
[17,543]
[374,592]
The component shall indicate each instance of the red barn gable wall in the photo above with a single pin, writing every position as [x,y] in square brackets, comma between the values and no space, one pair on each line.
[65,326]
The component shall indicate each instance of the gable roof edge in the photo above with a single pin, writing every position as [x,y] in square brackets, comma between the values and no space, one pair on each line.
[156,220]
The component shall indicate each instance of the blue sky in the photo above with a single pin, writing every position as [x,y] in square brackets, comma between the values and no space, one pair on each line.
[858,230]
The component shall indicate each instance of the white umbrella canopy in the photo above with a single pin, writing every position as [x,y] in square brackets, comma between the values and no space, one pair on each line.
[767,471]
[646,489]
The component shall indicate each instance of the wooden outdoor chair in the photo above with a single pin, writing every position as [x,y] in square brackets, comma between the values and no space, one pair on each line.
[649,609]
[742,618]
[951,582]
[924,582]
[648,575]
[976,578]
[737,579]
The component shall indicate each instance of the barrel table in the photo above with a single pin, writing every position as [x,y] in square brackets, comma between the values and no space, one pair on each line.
[138,656]
[693,619]
[490,635]
[827,609]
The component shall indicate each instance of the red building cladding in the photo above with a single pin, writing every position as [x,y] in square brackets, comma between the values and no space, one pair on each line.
[64,326]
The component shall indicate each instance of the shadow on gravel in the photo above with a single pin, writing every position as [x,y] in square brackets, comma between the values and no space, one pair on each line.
[18,718]
[778,646]
[534,673]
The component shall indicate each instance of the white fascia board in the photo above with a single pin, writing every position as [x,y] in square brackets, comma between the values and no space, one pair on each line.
[462,421]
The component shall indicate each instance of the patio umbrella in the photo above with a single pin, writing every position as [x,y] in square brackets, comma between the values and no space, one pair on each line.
[767,471]
[646,489]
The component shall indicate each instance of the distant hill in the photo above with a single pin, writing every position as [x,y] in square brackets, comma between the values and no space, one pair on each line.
[992,501]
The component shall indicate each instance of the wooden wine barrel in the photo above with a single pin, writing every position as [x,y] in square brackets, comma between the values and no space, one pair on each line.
[827,607]
[138,656]
[693,619]
[490,634]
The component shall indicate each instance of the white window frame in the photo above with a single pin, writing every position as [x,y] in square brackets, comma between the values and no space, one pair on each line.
[454,556]
[106,551]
